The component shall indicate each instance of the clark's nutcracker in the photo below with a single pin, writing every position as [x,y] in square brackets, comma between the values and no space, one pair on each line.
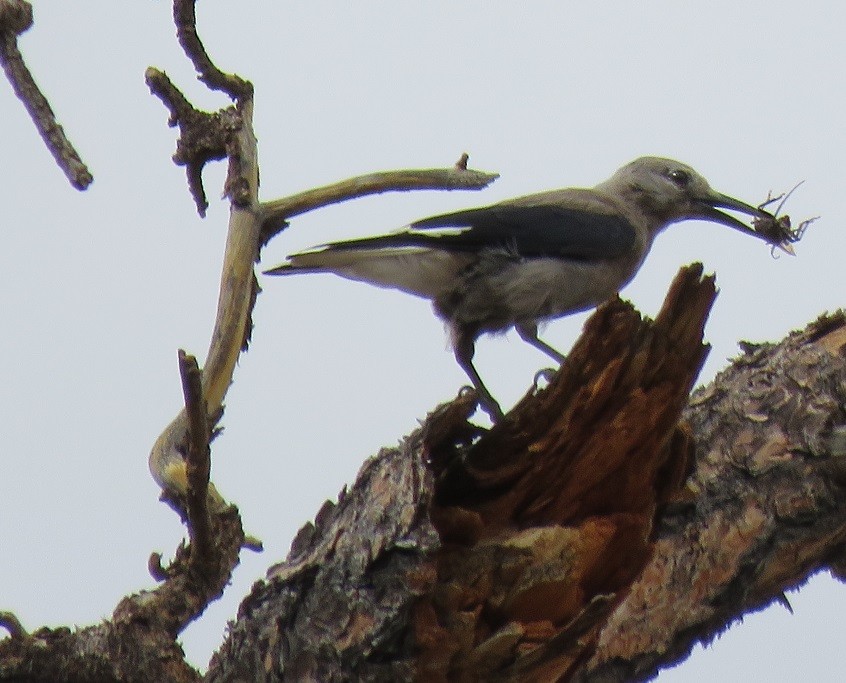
[530,259]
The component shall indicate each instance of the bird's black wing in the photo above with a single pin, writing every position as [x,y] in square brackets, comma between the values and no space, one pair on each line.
[530,231]
[533,231]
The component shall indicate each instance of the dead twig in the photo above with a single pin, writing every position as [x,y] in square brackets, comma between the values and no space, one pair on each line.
[13,625]
[15,18]
[275,213]
[197,460]
[203,136]
[185,18]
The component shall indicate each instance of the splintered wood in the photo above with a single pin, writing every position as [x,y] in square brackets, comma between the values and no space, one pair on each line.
[547,518]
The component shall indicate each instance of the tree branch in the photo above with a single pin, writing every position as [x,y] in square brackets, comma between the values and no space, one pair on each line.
[275,213]
[238,289]
[12,624]
[15,18]
[185,18]
[765,508]
[203,136]
[229,133]
[198,463]
[539,550]
[468,549]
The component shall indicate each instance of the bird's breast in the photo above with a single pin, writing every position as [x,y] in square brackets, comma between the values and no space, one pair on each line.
[499,293]
[550,288]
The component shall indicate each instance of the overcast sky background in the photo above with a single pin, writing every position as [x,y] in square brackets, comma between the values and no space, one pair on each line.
[100,288]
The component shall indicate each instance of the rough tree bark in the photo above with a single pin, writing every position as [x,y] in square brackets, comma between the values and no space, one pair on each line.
[592,535]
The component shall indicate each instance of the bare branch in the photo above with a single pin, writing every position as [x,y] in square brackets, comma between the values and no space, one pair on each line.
[15,18]
[13,625]
[171,96]
[197,460]
[229,133]
[185,18]
[156,568]
[235,301]
[139,641]
[202,136]
[276,212]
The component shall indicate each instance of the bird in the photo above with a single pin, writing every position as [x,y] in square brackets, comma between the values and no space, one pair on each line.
[525,261]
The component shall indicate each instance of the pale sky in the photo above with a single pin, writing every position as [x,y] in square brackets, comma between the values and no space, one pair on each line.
[100,288]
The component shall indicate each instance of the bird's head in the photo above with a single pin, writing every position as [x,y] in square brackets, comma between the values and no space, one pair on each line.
[670,191]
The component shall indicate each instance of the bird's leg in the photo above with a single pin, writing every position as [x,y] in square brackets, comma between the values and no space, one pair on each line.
[465,349]
[529,333]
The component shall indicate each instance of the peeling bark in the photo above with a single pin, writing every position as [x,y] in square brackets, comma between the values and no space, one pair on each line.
[766,510]
[591,535]
[595,534]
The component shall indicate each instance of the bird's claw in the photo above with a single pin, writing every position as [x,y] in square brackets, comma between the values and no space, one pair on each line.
[545,376]
[484,401]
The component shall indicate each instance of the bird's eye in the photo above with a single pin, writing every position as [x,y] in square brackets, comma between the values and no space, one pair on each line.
[679,177]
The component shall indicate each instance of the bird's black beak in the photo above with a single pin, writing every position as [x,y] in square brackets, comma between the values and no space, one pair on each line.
[710,211]
[715,201]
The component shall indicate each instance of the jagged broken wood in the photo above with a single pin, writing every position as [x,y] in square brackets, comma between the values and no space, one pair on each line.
[469,555]
[569,542]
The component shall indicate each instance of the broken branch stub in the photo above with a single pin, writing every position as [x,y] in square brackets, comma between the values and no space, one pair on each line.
[554,507]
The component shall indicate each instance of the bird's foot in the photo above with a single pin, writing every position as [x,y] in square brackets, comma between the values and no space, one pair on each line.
[485,401]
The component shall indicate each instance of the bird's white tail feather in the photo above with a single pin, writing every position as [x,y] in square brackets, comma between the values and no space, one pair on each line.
[416,270]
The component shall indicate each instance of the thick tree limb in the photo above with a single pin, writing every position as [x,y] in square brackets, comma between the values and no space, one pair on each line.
[766,505]
[449,558]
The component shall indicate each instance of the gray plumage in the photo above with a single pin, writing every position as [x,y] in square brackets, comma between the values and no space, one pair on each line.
[530,259]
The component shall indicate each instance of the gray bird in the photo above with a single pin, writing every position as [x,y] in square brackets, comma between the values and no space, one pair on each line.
[531,259]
